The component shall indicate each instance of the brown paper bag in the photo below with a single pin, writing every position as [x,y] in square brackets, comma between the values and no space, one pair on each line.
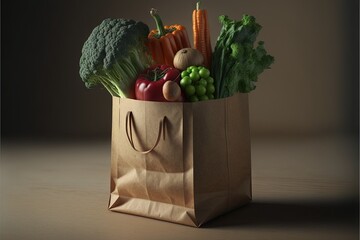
[180,162]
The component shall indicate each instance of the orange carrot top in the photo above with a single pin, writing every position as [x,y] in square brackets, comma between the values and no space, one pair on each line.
[165,41]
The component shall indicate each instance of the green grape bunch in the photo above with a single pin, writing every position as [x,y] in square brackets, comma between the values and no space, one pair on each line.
[197,84]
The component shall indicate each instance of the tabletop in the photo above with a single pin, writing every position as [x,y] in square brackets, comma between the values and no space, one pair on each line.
[303,188]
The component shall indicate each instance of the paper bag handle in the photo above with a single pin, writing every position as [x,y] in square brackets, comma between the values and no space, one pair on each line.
[128,128]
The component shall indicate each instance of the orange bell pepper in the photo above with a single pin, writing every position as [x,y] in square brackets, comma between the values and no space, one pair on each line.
[165,41]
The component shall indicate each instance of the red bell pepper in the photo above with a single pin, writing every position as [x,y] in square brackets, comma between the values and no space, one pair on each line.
[149,84]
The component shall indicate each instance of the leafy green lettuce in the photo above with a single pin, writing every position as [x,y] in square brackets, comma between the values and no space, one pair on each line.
[236,61]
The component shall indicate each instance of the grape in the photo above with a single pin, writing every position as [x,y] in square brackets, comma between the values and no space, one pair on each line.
[194,70]
[185,81]
[210,88]
[204,73]
[192,67]
[197,83]
[211,96]
[194,98]
[184,74]
[210,80]
[190,90]
[194,76]
[204,97]
[200,90]
[203,82]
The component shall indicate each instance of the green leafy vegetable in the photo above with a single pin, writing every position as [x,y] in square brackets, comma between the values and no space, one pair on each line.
[236,62]
[114,54]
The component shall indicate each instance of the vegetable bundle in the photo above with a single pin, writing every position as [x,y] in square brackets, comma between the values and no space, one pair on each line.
[119,51]
[236,61]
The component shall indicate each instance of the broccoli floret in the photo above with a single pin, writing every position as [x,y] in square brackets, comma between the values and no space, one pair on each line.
[114,54]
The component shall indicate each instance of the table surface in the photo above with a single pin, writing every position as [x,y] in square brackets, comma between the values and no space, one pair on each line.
[303,188]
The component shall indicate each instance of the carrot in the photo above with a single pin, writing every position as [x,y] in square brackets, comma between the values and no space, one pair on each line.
[202,34]
[201,27]
[195,30]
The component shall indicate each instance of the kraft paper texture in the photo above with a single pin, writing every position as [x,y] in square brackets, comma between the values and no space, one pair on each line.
[200,170]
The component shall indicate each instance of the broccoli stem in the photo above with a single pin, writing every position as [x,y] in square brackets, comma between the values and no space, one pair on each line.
[116,79]
[159,23]
[105,83]
[111,91]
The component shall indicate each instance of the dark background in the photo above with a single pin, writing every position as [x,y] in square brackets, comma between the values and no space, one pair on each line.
[303,115]
[312,88]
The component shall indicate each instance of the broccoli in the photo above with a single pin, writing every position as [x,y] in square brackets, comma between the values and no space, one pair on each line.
[114,54]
